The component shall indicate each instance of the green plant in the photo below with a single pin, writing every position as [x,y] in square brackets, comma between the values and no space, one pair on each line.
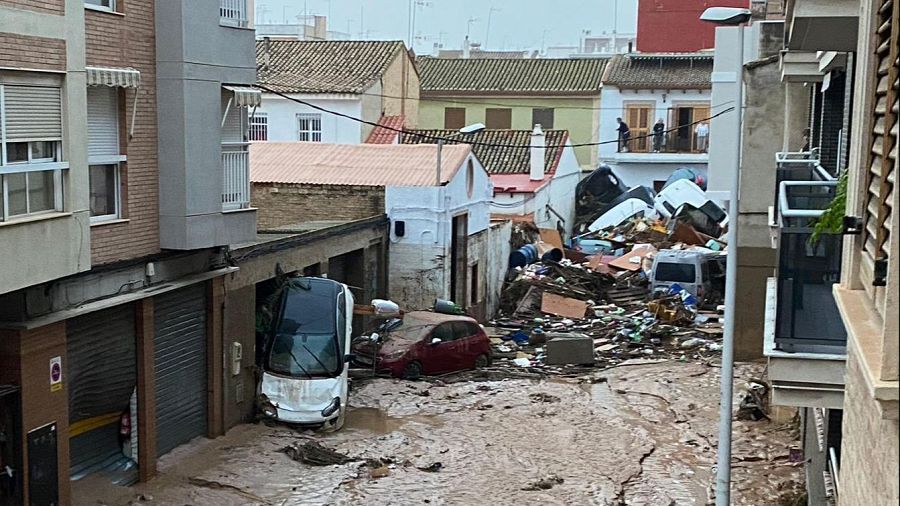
[832,220]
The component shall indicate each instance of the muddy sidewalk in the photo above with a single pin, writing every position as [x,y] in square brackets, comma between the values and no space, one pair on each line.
[630,435]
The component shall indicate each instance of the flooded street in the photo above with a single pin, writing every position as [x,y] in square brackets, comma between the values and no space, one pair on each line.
[630,435]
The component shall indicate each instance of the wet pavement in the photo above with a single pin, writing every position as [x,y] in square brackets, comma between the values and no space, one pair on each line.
[636,434]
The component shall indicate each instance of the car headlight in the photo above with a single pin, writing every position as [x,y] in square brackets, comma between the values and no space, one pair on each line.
[266,406]
[332,407]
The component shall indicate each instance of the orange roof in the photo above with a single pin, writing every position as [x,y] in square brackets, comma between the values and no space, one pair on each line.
[386,131]
[348,164]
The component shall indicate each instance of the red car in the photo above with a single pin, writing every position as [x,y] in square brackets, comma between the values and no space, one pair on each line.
[426,343]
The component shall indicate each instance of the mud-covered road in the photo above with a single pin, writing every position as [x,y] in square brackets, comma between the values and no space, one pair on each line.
[631,435]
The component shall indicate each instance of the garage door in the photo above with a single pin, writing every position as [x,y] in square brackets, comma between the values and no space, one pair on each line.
[180,365]
[101,372]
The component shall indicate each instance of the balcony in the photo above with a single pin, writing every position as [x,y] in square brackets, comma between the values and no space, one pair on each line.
[822,25]
[236,177]
[677,146]
[805,339]
[233,13]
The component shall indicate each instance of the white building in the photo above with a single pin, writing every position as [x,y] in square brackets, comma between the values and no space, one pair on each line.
[359,79]
[442,244]
[644,88]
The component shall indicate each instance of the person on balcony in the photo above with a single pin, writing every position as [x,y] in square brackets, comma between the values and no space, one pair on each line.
[659,132]
[624,135]
[702,131]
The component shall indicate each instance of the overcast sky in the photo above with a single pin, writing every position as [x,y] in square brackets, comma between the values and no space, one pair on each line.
[514,24]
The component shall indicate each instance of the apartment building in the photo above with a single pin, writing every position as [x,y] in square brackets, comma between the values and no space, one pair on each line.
[124,177]
[830,297]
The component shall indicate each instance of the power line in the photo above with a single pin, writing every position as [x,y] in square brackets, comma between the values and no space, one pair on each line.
[462,140]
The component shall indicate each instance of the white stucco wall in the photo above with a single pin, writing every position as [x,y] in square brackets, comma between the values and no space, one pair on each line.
[420,260]
[282,117]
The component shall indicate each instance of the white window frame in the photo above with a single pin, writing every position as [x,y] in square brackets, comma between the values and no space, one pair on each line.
[259,123]
[114,160]
[101,5]
[310,133]
[234,13]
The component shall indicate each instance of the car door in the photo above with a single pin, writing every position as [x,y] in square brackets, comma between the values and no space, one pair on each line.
[439,357]
[465,349]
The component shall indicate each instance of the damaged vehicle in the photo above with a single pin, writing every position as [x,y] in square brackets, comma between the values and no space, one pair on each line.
[305,359]
[424,343]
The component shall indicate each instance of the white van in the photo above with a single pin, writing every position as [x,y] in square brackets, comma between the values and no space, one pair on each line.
[682,192]
[689,269]
[306,354]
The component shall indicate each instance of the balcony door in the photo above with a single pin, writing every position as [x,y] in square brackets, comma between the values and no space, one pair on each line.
[639,119]
[685,119]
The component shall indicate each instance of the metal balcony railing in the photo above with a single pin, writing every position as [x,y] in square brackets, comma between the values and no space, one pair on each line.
[236,172]
[682,140]
[798,166]
[807,318]
[233,13]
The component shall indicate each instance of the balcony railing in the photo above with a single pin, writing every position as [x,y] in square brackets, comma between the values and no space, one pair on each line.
[236,172]
[798,166]
[807,318]
[233,13]
[682,140]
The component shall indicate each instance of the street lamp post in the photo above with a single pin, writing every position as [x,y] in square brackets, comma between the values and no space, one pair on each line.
[466,130]
[730,16]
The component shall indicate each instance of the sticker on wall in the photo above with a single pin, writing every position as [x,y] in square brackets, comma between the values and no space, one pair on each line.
[56,374]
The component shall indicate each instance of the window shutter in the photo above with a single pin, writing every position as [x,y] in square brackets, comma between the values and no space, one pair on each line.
[232,130]
[33,113]
[103,124]
[883,155]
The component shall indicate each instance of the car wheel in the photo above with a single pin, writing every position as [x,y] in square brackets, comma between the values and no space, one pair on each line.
[482,361]
[412,371]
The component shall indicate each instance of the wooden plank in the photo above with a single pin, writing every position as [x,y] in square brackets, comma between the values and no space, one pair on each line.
[563,306]
[551,236]
[632,260]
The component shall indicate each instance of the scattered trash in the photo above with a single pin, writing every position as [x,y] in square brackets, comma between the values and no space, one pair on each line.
[432,468]
[544,483]
[314,454]
[754,402]
[543,397]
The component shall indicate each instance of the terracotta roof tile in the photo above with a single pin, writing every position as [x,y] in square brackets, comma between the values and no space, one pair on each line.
[573,76]
[348,164]
[340,66]
[670,71]
[503,160]
[385,132]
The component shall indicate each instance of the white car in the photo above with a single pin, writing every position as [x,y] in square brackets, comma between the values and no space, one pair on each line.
[306,354]
[621,213]
[682,192]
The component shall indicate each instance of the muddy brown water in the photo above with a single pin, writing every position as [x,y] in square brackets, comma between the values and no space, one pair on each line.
[640,435]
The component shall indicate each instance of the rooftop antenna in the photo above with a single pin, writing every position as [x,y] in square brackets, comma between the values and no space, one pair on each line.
[487,32]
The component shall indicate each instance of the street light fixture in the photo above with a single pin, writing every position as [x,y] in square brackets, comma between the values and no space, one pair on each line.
[474,128]
[729,16]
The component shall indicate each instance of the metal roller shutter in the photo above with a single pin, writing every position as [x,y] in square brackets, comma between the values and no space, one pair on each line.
[180,364]
[103,125]
[33,113]
[102,373]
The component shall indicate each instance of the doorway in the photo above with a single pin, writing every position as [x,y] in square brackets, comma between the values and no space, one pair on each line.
[10,447]
[459,247]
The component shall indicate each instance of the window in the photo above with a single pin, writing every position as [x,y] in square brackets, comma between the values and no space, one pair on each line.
[637,116]
[259,127]
[233,13]
[678,273]
[104,154]
[454,118]
[498,119]
[235,152]
[109,5]
[309,127]
[543,117]
[444,332]
[31,151]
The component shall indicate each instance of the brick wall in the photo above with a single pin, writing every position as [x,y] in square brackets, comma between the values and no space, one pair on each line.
[869,451]
[46,6]
[127,39]
[39,53]
[280,205]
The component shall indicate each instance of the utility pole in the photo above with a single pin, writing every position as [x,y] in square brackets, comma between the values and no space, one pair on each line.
[487,32]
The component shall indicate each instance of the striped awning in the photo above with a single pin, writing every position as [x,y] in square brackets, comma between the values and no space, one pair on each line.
[245,96]
[113,77]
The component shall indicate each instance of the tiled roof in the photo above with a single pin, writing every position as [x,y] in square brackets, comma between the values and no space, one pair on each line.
[498,159]
[349,164]
[511,76]
[481,54]
[669,71]
[330,66]
[386,131]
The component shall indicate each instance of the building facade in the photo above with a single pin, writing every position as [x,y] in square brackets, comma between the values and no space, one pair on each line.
[673,89]
[357,79]
[113,312]
[503,94]
[676,26]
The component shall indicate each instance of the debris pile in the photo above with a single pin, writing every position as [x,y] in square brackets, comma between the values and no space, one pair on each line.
[606,295]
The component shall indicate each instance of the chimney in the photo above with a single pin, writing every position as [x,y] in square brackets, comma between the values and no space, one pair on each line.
[537,153]
[266,53]
[465,48]
[630,47]
[320,28]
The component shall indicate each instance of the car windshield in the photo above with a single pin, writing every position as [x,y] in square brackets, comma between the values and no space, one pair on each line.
[678,273]
[305,355]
